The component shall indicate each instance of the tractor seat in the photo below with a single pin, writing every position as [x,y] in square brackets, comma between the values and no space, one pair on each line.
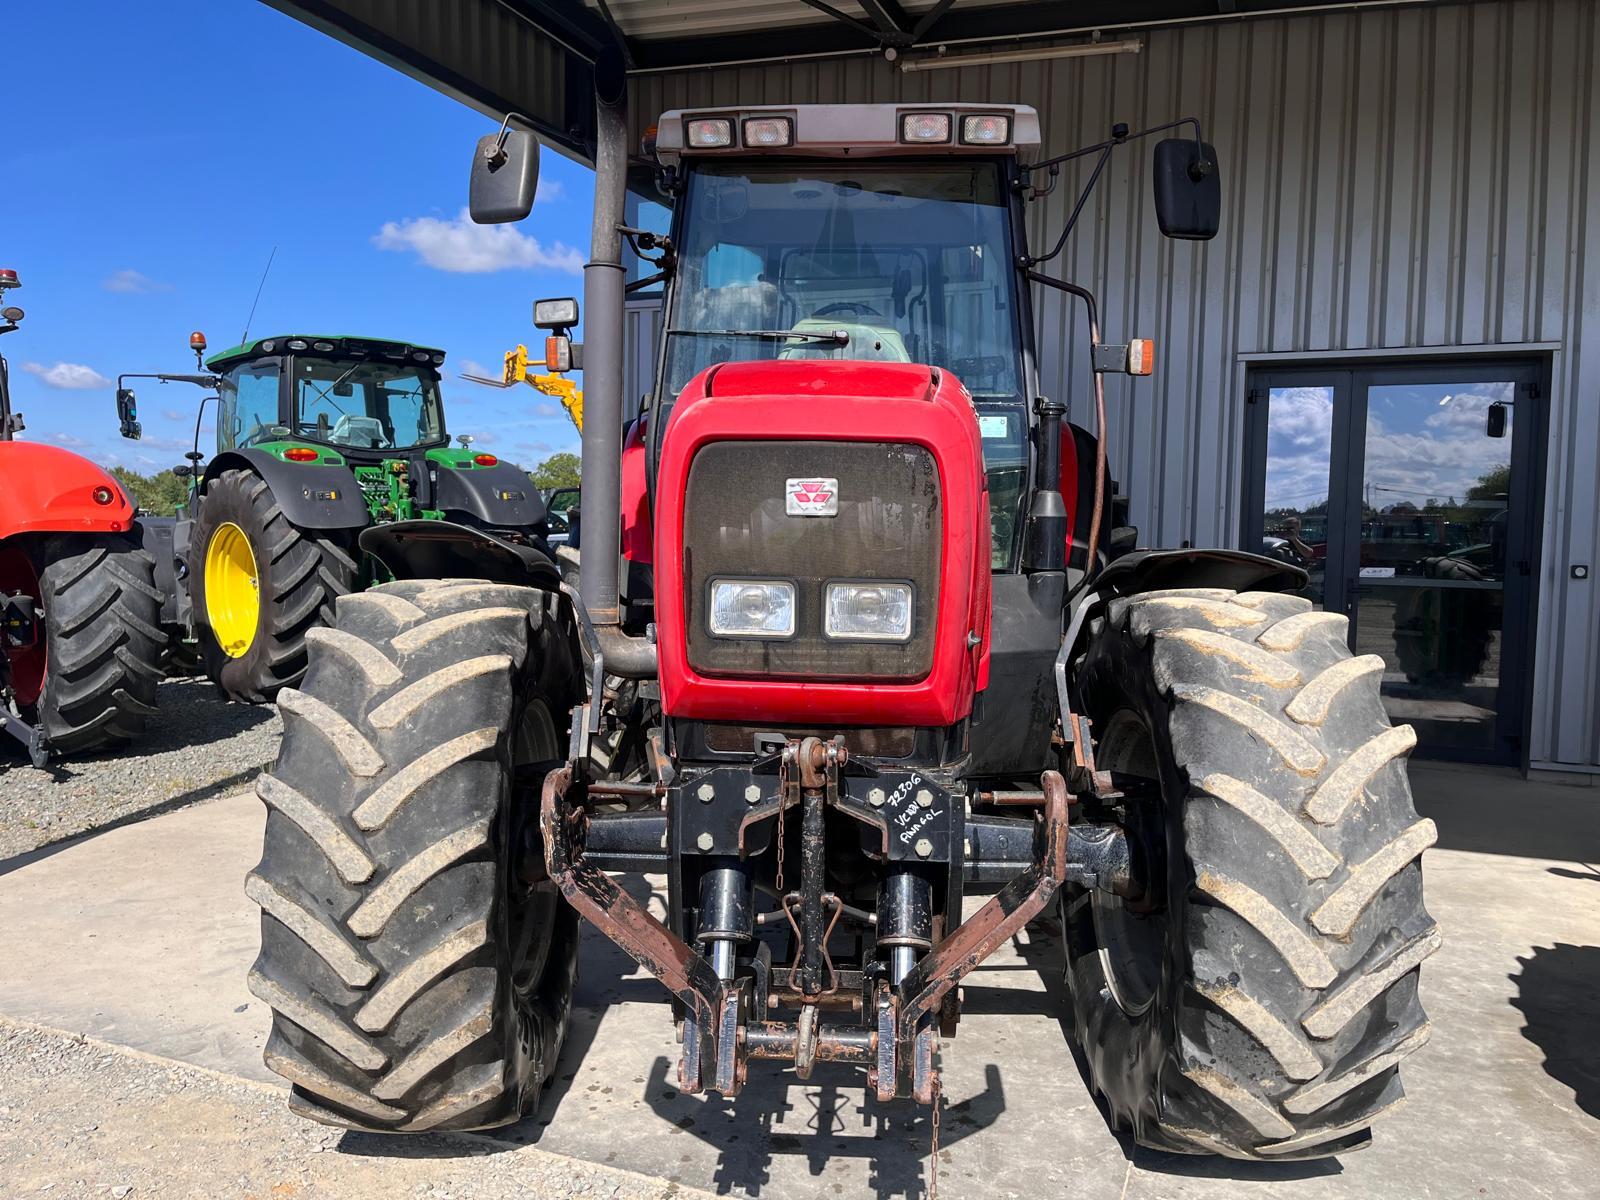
[362,432]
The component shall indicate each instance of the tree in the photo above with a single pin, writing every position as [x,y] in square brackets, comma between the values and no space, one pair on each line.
[157,495]
[557,471]
[1492,484]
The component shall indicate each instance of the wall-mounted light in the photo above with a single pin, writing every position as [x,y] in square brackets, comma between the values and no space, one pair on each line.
[1079,50]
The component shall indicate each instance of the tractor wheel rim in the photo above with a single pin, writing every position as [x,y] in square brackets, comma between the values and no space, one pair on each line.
[30,666]
[233,596]
[1132,946]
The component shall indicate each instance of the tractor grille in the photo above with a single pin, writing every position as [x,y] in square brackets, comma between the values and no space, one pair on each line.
[888,527]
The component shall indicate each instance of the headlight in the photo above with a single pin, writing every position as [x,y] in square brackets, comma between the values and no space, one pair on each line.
[752,608]
[872,612]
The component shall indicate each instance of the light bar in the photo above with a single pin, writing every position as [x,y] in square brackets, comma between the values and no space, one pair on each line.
[925,127]
[988,129]
[762,133]
[708,133]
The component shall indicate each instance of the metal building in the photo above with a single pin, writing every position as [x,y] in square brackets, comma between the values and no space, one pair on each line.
[1387,365]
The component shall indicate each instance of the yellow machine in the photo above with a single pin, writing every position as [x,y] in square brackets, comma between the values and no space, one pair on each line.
[554,384]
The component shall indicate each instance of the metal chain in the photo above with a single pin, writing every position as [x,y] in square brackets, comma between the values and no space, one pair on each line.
[782,812]
[933,1152]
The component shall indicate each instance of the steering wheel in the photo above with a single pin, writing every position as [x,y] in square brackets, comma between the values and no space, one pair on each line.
[850,306]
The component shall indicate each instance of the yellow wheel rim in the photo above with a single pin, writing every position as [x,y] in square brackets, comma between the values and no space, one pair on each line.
[233,603]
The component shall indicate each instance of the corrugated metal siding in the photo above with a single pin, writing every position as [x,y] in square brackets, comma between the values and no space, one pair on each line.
[1412,177]
[481,53]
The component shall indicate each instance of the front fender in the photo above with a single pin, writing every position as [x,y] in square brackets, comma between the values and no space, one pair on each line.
[312,495]
[500,496]
[1157,570]
[445,550]
[45,489]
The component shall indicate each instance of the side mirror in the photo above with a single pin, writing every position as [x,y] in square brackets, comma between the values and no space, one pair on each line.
[128,414]
[183,470]
[505,176]
[1188,189]
[1496,427]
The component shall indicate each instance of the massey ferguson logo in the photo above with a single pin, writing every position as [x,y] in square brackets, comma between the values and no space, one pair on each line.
[811,497]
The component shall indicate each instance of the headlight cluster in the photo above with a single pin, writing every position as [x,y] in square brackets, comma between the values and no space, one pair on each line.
[864,611]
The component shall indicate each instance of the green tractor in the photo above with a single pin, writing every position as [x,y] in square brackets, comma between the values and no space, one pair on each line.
[332,460]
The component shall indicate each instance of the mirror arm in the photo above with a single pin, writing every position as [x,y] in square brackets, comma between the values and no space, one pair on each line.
[496,155]
[1028,261]
[638,285]
[195,454]
[1119,134]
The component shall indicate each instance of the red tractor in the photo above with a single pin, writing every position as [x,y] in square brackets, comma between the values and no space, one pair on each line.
[859,636]
[80,641]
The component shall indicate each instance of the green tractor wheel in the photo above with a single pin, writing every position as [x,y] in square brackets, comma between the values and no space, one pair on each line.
[258,584]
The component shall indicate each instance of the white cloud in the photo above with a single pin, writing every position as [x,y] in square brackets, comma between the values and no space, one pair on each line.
[548,190]
[67,375]
[459,245]
[134,282]
[70,441]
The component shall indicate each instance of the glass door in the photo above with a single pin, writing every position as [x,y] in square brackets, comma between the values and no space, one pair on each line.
[1405,493]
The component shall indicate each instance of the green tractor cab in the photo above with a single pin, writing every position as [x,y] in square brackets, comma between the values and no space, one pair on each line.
[333,470]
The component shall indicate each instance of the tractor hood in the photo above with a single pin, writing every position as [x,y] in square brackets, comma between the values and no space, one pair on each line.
[811,476]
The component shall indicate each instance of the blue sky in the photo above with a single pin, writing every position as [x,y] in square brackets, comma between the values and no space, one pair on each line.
[153,155]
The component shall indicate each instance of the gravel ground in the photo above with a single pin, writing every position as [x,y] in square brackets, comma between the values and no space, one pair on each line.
[81,1118]
[196,748]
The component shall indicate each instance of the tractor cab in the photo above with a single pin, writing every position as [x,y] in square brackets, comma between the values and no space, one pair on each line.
[870,234]
[363,399]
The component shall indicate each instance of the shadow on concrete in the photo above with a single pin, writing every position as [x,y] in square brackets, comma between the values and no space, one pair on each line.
[1041,948]
[841,1121]
[748,1132]
[211,791]
[1493,810]
[1556,991]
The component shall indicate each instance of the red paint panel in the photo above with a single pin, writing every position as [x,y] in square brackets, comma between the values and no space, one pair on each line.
[833,401]
[1069,483]
[44,489]
[636,527]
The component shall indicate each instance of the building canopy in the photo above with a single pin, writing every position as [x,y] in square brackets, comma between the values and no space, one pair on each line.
[536,57]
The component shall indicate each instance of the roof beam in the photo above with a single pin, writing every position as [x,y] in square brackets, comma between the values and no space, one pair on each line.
[843,18]
[893,24]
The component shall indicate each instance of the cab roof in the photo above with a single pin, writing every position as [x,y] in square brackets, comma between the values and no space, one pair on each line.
[339,345]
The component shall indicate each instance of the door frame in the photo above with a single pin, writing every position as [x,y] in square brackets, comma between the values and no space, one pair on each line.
[1350,380]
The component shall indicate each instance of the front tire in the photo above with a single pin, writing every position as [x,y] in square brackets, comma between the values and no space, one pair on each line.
[102,641]
[1256,1001]
[260,582]
[416,981]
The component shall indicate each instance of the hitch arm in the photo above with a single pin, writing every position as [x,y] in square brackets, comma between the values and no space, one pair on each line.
[924,989]
[713,1008]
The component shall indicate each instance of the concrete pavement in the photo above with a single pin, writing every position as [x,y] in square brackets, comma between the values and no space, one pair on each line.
[142,936]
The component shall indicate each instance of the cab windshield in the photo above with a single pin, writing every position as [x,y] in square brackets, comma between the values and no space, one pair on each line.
[885,262]
[367,405]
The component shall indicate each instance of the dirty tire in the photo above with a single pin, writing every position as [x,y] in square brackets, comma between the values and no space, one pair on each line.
[103,638]
[301,573]
[1261,1010]
[416,983]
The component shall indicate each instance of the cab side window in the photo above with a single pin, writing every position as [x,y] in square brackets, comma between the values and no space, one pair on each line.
[248,410]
